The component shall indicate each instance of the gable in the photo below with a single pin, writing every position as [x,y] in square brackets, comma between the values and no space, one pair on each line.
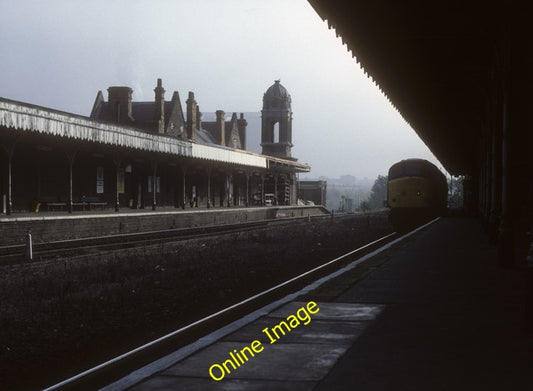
[99,101]
[174,118]
[233,139]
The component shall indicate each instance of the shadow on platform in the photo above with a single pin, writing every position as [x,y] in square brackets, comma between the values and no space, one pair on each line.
[453,319]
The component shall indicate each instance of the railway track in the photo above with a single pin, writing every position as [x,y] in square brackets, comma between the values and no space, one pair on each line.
[67,248]
[122,365]
[63,248]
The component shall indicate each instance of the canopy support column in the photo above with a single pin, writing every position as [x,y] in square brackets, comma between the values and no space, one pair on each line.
[71,156]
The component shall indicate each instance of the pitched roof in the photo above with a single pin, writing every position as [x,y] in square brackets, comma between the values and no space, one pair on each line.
[140,111]
[205,137]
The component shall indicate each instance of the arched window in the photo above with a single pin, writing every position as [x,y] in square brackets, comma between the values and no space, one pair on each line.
[275,133]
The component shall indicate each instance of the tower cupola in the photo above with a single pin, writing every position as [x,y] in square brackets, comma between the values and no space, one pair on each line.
[276,122]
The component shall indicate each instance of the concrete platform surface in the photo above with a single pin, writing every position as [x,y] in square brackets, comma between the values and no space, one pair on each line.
[454,319]
[296,359]
[440,314]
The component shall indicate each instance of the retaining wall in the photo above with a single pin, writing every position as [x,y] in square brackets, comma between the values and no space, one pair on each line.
[45,228]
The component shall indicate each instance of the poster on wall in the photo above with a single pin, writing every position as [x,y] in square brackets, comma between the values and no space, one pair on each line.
[99,180]
[120,181]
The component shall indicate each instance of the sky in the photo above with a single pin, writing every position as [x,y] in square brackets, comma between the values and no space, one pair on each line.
[59,53]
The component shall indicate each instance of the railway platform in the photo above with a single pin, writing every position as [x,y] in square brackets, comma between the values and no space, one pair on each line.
[60,225]
[437,314]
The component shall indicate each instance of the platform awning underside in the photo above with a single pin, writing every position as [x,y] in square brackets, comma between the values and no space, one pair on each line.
[434,62]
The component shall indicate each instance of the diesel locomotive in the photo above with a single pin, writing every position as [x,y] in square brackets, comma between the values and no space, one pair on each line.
[416,192]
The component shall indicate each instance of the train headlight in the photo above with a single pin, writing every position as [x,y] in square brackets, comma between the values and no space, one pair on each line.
[418,193]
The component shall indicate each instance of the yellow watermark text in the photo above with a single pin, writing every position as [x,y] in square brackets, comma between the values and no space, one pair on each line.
[236,358]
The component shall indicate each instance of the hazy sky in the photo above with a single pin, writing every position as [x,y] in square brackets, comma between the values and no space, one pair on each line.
[58,54]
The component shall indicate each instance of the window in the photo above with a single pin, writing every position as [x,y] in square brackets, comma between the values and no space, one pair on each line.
[151,184]
[275,133]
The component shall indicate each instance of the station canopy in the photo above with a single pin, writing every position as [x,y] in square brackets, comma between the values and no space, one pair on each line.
[434,62]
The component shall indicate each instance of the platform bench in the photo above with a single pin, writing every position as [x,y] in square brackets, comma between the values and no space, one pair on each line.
[56,205]
[94,202]
[81,205]
[52,203]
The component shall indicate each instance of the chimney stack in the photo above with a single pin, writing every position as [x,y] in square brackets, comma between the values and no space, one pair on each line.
[221,128]
[241,125]
[160,106]
[119,99]
[198,118]
[191,117]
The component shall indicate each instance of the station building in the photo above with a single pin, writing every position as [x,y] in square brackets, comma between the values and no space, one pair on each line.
[130,154]
[313,191]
